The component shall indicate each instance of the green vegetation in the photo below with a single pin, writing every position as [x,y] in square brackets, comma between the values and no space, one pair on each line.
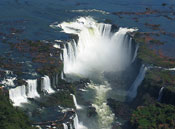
[10,117]
[150,56]
[162,78]
[150,114]
[158,116]
[62,98]
[50,69]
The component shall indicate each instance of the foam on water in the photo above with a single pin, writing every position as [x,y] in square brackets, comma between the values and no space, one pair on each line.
[105,115]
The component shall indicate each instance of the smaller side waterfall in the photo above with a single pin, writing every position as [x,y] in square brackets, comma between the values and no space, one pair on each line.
[135,53]
[75,102]
[160,94]
[32,89]
[61,56]
[62,75]
[56,79]
[46,85]
[133,89]
[65,126]
[77,124]
[18,95]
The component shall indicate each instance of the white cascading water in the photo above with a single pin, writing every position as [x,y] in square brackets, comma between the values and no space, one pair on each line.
[75,102]
[18,95]
[32,89]
[65,126]
[160,94]
[133,89]
[77,124]
[61,56]
[62,75]
[135,53]
[98,50]
[71,126]
[46,85]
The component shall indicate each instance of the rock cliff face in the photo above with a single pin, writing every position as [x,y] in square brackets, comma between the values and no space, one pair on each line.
[155,80]
[157,88]
[168,96]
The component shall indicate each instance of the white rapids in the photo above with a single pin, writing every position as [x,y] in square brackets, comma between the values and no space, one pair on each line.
[106,117]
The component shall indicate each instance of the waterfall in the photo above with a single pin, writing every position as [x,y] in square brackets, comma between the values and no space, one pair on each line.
[18,95]
[61,56]
[133,89]
[78,125]
[135,53]
[56,79]
[46,85]
[32,89]
[75,102]
[96,47]
[96,51]
[71,126]
[65,126]
[160,94]
[62,75]
[130,47]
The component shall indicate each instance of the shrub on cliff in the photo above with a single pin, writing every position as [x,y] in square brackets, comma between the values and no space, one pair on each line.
[11,117]
[157,116]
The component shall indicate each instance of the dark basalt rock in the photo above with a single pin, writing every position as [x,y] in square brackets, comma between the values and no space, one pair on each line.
[119,109]
[155,79]
[20,82]
[168,96]
[164,4]
[2,74]
[148,112]
[91,112]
